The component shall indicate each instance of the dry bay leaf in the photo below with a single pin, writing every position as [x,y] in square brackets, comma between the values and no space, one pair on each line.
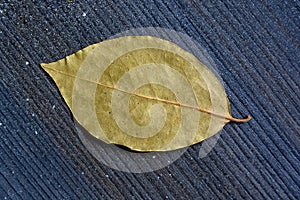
[142,92]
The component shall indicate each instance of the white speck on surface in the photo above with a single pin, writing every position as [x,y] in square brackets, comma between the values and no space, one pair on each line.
[82,173]
[12,172]
[27,99]
[36,132]
[1,124]
[32,114]
[53,107]
[170,174]
[83,14]
[106,176]
[153,156]
[169,161]
[26,63]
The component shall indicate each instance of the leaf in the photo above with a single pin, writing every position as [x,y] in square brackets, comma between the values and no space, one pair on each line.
[142,92]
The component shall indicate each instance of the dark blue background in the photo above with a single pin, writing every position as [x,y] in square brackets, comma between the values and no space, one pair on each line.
[256,46]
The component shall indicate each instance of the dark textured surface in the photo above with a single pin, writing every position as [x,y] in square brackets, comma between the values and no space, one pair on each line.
[256,46]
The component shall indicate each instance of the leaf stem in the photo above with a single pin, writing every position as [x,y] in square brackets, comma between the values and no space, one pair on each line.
[230,118]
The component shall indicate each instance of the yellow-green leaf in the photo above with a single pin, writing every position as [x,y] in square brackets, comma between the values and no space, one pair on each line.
[142,92]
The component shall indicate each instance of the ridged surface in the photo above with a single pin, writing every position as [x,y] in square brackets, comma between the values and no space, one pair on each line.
[256,46]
